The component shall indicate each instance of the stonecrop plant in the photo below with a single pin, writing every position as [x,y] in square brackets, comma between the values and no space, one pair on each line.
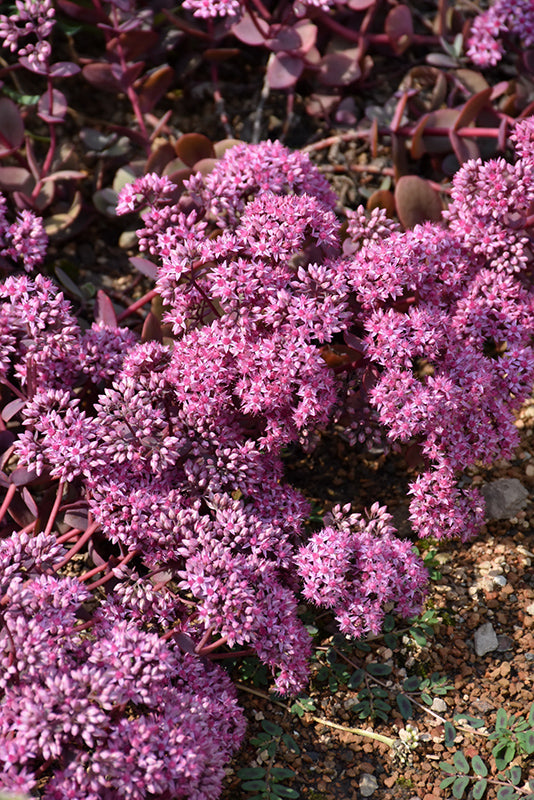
[146,525]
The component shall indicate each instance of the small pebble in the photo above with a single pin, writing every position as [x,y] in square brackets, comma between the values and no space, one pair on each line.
[368,785]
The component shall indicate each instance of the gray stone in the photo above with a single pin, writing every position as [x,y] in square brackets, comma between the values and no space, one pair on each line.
[485,639]
[504,498]
[368,785]
[439,705]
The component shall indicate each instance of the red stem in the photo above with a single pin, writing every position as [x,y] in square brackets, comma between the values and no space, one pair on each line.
[77,547]
[55,508]
[146,298]
[110,575]
[7,500]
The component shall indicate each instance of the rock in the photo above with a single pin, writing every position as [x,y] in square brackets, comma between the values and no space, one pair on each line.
[368,785]
[439,705]
[504,498]
[485,639]
[530,609]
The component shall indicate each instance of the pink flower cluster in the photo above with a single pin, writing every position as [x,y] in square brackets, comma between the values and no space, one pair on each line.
[27,31]
[358,568]
[65,694]
[504,18]
[24,240]
[166,457]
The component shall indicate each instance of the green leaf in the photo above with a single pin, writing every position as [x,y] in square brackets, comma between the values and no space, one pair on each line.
[426,698]
[531,716]
[474,722]
[404,705]
[254,786]
[515,775]
[283,791]
[506,793]
[448,769]
[479,788]
[381,715]
[333,685]
[391,640]
[460,762]
[355,679]
[450,734]
[447,782]
[260,739]
[290,743]
[501,720]
[378,703]
[378,670]
[459,786]
[418,635]
[411,684]
[69,284]
[388,624]
[379,691]
[271,728]
[503,754]
[251,773]
[526,742]
[478,766]
[281,773]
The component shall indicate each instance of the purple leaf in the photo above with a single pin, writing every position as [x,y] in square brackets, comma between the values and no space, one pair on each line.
[102,76]
[360,5]
[64,69]
[284,70]
[104,311]
[13,408]
[32,66]
[30,502]
[58,110]
[399,28]
[14,179]
[282,37]
[151,329]
[77,518]
[307,32]
[251,32]
[91,14]
[145,266]
[11,127]
[21,476]
[340,69]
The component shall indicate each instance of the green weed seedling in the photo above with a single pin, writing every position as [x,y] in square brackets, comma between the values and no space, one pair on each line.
[513,737]
[266,782]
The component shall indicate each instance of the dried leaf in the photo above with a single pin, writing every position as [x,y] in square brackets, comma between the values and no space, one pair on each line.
[472,108]
[382,198]
[159,158]
[192,147]
[154,87]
